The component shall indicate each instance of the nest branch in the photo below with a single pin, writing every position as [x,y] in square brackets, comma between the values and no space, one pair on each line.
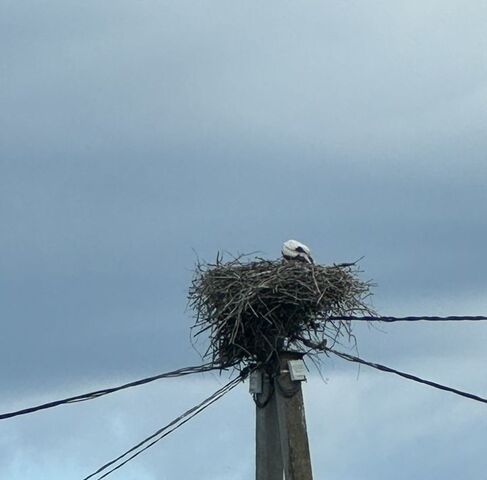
[251,309]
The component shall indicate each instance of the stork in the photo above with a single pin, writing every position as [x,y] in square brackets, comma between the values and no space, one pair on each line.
[294,250]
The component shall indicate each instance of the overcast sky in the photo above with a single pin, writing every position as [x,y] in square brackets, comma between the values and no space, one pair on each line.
[135,135]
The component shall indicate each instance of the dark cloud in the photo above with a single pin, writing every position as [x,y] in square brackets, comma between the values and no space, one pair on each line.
[135,136]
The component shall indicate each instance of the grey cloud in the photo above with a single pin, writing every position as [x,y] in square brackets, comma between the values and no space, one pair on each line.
[136,134]
[357,427]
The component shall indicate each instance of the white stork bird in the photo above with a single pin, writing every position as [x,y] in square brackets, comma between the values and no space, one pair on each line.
[294,250]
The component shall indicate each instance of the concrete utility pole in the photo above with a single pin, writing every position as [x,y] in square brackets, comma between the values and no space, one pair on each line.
[268,458]
[281,436]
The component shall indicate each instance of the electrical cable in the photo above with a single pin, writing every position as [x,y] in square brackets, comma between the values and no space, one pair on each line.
[263,403]
[414,378]
[167,429]
[99,393]
[371,318]
[287,392]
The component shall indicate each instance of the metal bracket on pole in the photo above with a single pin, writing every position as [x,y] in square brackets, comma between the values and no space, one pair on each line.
[255,382]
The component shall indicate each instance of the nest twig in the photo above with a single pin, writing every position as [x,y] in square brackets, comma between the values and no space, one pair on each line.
[252,309]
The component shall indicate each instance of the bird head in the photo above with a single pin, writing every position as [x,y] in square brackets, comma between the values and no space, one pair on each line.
[294,250]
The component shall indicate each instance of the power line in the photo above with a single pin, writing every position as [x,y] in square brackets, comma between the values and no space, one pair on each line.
[199,409]
[370,318]
[99,393]
[166,430]
[383,368]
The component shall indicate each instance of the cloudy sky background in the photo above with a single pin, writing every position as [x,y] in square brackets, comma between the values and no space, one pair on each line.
[136,133]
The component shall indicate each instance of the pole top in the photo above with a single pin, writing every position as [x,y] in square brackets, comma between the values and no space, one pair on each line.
[290,355]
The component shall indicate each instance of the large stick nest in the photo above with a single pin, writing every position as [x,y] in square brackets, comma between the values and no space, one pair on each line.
[252,309]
